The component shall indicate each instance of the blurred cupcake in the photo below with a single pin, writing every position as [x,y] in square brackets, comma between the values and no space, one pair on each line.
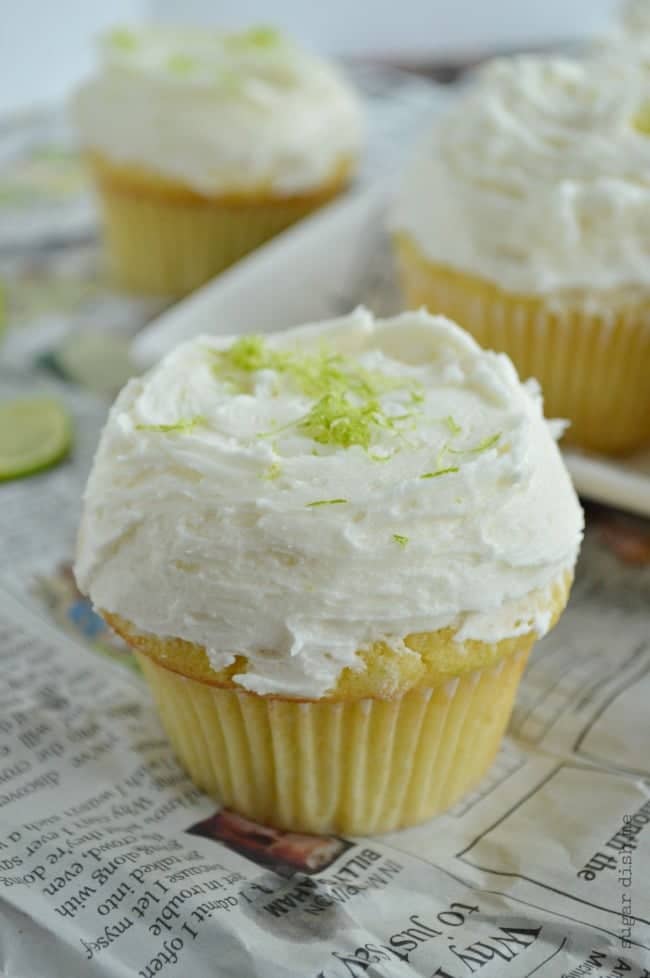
[204,145]
[333,551]
[525,217]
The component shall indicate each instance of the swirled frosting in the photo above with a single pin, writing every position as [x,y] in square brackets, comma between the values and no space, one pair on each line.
[538,179]
[635,17]
[295,498]
[624,49]
[219,112]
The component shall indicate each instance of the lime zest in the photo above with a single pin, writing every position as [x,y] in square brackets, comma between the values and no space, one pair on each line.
[274,471]
[335,420]
[184,424]
[313,374]
[326,502]
[35,433]
[482,446]
[122,39]
[398,538]
[454,428]
[641,119]
[434,475]
[347,409]
[181,64]
[261,36]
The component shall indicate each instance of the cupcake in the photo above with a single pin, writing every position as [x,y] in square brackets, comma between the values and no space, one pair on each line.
[205,144]
[525,217]
[332,550]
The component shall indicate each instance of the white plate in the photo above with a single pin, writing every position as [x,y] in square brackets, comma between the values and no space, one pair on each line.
[323,268]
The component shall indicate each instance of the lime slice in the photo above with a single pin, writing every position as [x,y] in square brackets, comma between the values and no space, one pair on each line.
[34,434]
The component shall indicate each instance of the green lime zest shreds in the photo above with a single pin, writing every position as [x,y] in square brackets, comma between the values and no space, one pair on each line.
[482,446]
[181,64]
[122,39]
[313,374]
[347,409]
[398,538]
[641,119]
[183,424]
[335,420]
[453,427]
[255,37]
[326,502]
[274,471]
[434,475]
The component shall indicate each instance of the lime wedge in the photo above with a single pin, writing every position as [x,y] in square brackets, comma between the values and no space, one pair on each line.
[34,434]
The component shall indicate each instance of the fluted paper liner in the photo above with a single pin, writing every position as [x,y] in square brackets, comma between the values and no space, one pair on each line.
[353,766]
[164,239]
[593,362]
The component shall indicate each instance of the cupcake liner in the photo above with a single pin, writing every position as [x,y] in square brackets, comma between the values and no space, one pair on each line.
[593,363]
[354,766]
[163,239]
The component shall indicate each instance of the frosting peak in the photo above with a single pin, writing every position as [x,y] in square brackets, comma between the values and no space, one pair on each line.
[224,509]
[217,111]
[539,176]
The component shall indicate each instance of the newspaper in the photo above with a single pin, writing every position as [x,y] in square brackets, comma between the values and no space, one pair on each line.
[113,864]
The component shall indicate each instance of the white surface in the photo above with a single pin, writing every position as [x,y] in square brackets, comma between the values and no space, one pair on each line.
[324,267]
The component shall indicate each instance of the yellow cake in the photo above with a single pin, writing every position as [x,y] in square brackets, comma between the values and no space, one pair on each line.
[524,217]
[203,145]
[332,551]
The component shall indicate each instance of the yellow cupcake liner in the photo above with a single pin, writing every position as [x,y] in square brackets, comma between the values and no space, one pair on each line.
[353,766]
[165,239]
[593,363]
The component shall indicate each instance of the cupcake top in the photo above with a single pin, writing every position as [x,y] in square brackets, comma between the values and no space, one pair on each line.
[635,17]
[625,47]
[538,179]
[219,112]
[293,498]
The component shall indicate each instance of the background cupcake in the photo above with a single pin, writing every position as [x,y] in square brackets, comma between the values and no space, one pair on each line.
[333,550]
[204,145]
[525,217]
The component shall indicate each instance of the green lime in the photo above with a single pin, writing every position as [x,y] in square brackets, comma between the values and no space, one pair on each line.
[34,434]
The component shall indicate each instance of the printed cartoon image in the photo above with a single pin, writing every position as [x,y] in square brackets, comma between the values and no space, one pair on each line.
[284,852]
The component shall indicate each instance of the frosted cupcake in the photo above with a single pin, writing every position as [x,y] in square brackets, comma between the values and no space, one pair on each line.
[525,217]
[332,550]
[204,144]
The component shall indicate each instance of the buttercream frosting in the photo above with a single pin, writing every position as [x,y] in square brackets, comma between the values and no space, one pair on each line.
[537,179]
[624,49]
[219,112]
[390,477]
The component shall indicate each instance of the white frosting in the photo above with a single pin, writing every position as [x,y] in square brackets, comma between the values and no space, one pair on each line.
[219,112]
[625,48]
[185,534]
[537,179]
[635,18]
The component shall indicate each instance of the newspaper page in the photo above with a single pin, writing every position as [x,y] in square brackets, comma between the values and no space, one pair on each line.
[113,864]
